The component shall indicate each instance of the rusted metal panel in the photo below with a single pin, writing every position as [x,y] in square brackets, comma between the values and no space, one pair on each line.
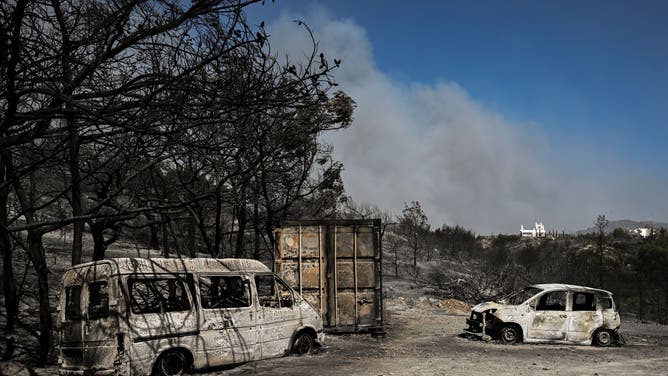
[336,266]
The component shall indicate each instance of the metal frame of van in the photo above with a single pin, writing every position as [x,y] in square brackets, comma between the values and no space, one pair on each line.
[95,340]
[594,320]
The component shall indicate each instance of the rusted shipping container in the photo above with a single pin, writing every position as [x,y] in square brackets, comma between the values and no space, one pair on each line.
[336,266]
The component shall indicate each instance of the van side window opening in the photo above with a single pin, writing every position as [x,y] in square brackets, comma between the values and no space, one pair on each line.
[149,295]
[583,301]
[224,292]
[73,303]
[272,292]
[98,300]
[605,302]
[552,301]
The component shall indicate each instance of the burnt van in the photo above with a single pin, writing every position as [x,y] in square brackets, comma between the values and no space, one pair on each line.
[134,316]
[556,313]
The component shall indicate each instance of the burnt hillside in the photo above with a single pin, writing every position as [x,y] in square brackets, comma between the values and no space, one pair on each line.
[462,266]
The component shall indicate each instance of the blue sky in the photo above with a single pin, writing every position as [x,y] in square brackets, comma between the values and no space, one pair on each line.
[588,80]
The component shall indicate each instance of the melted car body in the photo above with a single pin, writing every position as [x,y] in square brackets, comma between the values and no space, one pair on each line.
[166,316]
[556,313]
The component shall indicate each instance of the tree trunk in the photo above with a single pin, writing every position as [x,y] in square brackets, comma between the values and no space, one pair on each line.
[36,253]
[202,230]
[6,248]
[641,304]
[600,264]
[78,225]
[192,229]
[415,252]
[218,235]
[154,242]
[165,236]
[9,55]
[230,238]
[177,246]
[73,132]
[99,248]
[240,247]
[269,229]
[256,231]
[8,282]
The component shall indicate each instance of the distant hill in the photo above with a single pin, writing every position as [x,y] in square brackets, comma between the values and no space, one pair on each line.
[626,224]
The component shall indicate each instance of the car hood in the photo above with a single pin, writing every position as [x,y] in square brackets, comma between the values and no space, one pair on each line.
[482,307]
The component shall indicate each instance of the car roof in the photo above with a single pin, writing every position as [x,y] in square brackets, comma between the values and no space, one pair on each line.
[114,266]
[564,286]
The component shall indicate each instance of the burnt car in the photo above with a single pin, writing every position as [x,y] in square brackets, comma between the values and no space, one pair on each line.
[554,313]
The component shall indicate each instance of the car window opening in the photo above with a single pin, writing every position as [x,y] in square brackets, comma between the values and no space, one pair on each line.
[584,302]
[73,303]
[224,292]
[98,300]
[605,302]
[272,292]
[552,301]
[157,295]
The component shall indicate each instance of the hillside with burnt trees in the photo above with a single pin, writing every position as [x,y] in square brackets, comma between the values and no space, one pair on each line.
[456,263]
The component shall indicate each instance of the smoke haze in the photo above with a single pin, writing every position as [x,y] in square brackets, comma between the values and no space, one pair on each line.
[464,162]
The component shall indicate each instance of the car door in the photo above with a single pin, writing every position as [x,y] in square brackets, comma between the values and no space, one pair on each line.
[279,318]
[228,319]
[584,316]
[549,319]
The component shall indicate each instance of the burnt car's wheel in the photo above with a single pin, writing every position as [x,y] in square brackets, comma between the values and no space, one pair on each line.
[510,334]
[603,338]
[303,344]
[171,363]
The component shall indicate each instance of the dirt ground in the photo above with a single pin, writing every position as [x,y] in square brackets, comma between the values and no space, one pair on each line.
[423,340]
[426,341]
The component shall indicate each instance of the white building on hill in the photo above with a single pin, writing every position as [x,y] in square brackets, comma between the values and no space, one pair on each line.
[642,231]
[537,231]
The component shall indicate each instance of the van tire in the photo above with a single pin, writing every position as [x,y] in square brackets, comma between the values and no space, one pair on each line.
[603,338]
[303,344]
[171,363]
[510,333]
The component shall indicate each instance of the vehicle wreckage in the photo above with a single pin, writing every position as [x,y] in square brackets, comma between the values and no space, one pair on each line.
[553,313]
[130,316]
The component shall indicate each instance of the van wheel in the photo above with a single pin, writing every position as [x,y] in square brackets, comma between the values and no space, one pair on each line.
[303,344]
[603,338]
[171,363]
[510,334]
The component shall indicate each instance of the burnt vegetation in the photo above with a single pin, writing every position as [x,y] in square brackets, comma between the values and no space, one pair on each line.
[455,263]
[168,123]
